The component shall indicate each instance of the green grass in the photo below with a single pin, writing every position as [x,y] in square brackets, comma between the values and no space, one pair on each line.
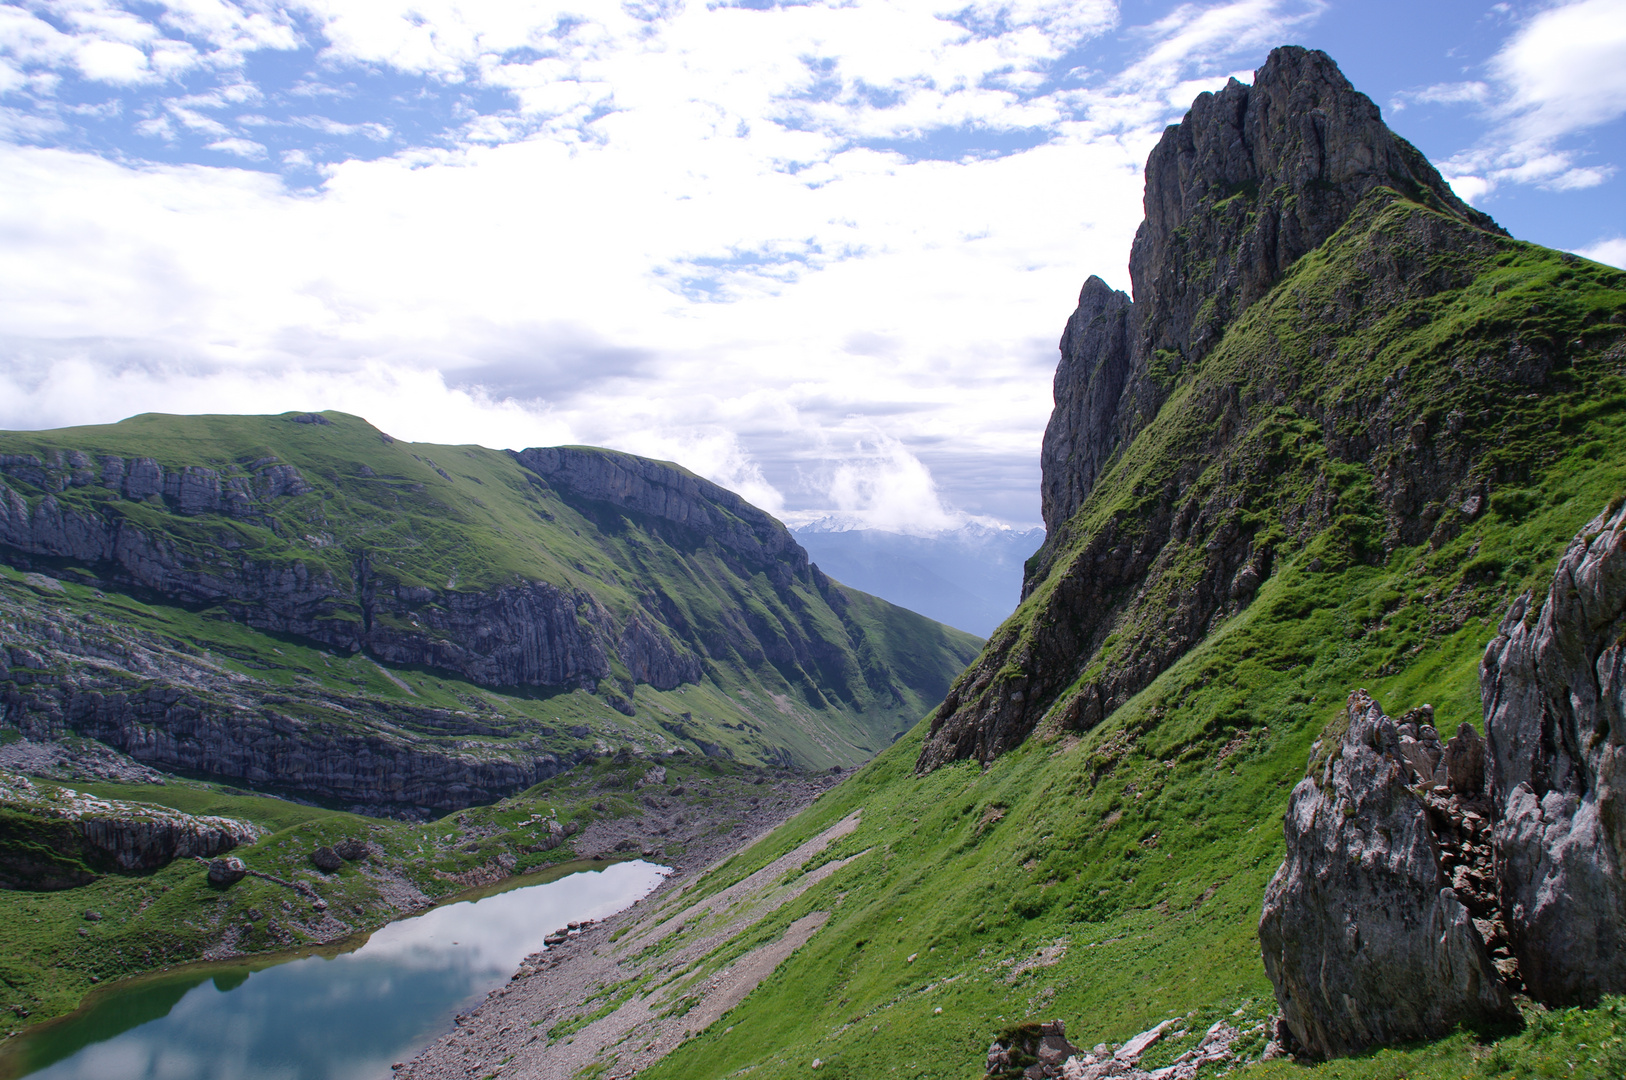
[1144,844]
[170,916]
[789,672]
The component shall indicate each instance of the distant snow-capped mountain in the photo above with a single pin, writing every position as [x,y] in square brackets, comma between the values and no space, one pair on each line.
[970,577]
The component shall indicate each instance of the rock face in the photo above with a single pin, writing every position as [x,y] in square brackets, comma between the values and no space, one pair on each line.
[663,490]
[172,709]
[1364,939]
[528,634]
[60,839]
[182,727]
[1252,179]
[1236,196]
[1553,685]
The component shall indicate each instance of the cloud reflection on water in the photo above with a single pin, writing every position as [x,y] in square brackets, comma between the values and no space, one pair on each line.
[343,1017]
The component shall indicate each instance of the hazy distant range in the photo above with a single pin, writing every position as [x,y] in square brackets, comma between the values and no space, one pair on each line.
[970,578]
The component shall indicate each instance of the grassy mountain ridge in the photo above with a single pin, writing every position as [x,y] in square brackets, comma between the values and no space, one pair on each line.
[1394,383]
[1400,438]
[453,591]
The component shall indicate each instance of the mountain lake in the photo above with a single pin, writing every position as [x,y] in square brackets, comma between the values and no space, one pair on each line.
[344,1011]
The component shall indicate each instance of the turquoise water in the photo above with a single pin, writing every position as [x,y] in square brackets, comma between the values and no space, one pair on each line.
[345,1015]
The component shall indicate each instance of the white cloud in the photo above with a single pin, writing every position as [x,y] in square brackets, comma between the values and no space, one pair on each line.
[1454,93]
[113,62]
[889,488]
[1566,69]
[1562,72]
[883,329]
[1194,36]
[243,148]
[1611,250]
[1469,188]
[10,77]
[106,42]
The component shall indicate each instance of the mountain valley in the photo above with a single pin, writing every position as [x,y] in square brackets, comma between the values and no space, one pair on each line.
[1338,488]
[1344,426]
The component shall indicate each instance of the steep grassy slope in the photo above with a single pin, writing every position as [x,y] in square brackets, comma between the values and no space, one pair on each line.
[293,555]
[1109,871]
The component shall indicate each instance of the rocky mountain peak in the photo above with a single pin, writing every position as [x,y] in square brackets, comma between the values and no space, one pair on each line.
[1253,178]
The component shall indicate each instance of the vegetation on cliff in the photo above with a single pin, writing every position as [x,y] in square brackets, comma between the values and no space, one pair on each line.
[430,606]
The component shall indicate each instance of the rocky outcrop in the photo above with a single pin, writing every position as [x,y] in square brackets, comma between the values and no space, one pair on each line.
[1364,937]
[189,489]
[1253,178]
[60,838]
[1553,685]
[1423,881]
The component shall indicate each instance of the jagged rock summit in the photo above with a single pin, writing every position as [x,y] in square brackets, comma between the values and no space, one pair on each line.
[1252,179]
[1293,256]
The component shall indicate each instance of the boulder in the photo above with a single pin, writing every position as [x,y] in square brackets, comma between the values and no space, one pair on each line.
[1364,940]
[326,859]
[350,849]
[227,871]
[1553,686]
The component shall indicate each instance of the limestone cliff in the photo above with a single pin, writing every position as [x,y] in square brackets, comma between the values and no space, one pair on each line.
[538,573]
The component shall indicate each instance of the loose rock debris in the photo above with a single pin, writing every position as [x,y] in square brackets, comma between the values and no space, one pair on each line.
[1040,1051]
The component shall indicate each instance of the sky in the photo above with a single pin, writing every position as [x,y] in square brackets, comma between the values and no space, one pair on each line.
[819,251]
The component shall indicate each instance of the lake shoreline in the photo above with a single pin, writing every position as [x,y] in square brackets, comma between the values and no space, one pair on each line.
[555,981]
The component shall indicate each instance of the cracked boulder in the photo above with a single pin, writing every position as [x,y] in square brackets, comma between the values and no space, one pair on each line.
[1365,941]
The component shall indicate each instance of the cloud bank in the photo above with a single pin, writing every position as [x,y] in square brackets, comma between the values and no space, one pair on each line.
[820,252]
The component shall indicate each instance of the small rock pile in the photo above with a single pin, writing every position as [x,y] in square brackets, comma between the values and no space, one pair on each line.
[564,934]
[1460,813]
[1451,777]
[1040,1051]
